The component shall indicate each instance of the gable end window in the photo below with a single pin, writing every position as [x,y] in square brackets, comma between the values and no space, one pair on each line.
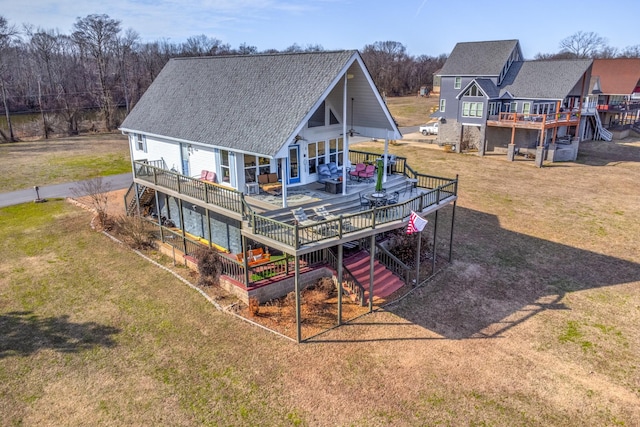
[317,119]
[473,91]
[458,83]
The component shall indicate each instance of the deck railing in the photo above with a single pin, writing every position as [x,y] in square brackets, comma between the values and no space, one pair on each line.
[393,263]
[561,117]
[296,235]
[215,194]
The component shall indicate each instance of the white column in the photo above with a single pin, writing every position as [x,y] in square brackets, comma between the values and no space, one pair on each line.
[345,154]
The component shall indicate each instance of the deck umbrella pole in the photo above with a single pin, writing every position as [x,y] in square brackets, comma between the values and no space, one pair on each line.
[372,250]
[340,257]
[297,288]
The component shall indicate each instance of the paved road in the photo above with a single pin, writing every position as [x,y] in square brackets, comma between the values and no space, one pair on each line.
[115,182]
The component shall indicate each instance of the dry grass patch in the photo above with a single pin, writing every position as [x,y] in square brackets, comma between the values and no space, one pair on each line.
[411,110]
[54,161]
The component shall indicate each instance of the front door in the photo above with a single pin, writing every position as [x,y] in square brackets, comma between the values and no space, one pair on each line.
[294,164]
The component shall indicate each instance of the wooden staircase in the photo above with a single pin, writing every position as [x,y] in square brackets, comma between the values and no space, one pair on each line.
[146,197]
[385,282]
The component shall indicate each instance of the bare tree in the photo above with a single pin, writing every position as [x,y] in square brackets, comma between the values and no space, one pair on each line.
[98,35]
[245,49]
[124,48]
[7,35]
[631,52]
[583,44]
[96,191]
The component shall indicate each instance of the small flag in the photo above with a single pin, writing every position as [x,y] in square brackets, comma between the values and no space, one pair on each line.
[416,223]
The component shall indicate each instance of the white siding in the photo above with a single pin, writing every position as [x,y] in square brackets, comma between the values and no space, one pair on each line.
[168,151]
[201,158]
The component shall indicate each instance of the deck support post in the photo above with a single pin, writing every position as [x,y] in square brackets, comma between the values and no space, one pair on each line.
[435,232]
[340,272]
[297,288]
[245,261]
[138,198]
[453,217]
[184,236]
[209,236]
[159,215]
[372,258]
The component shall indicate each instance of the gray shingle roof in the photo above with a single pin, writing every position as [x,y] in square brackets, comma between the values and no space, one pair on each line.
[544,79]
[249,103]
[478,58]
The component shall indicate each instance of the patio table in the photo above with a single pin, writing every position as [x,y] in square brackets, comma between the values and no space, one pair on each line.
[377,199]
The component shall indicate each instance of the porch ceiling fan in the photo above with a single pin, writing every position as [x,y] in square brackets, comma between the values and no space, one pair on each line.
[352,131]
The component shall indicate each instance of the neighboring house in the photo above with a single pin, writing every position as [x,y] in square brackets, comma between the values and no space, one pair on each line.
[615,89]
[492,100]
[211,135]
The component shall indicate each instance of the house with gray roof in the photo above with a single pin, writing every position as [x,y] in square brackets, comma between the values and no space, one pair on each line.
[224,147]
[492,100]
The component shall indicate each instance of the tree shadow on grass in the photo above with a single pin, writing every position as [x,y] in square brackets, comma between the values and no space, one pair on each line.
[498,279]
[25,333]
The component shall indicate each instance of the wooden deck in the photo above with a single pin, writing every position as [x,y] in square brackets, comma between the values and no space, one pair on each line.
[534,121]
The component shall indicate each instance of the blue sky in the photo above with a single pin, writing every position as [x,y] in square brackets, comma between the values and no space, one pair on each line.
[422,26]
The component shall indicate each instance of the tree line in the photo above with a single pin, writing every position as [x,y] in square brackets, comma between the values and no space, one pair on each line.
[100,67]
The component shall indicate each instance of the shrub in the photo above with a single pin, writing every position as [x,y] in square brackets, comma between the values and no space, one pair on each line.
[404,245]
[209,266]
[254,306]
[135,231]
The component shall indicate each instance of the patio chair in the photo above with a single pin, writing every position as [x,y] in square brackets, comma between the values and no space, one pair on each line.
[393,198]
[360,167]
[301,217]
[322,211]
[364,202]
[368,172]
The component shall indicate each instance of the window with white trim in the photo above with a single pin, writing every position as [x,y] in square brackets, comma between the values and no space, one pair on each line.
[472,109]
[336,149]
[254,166]
[443,103]
[457,83]
[494,108]
[225,166]
[141,142]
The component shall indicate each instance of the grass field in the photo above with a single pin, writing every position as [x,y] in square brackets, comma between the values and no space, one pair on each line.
[535,323]
[54,161]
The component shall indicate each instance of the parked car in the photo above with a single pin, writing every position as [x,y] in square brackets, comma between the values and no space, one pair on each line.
[429,128]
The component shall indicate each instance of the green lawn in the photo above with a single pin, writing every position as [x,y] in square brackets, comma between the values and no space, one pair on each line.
[54,161]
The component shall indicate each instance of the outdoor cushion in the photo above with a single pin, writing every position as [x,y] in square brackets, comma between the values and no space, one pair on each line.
[335,172]
[323,173]
[263,179]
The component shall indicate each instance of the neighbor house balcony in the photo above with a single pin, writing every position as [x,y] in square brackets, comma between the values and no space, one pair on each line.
[619,108]
[276,226]
[535,121]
